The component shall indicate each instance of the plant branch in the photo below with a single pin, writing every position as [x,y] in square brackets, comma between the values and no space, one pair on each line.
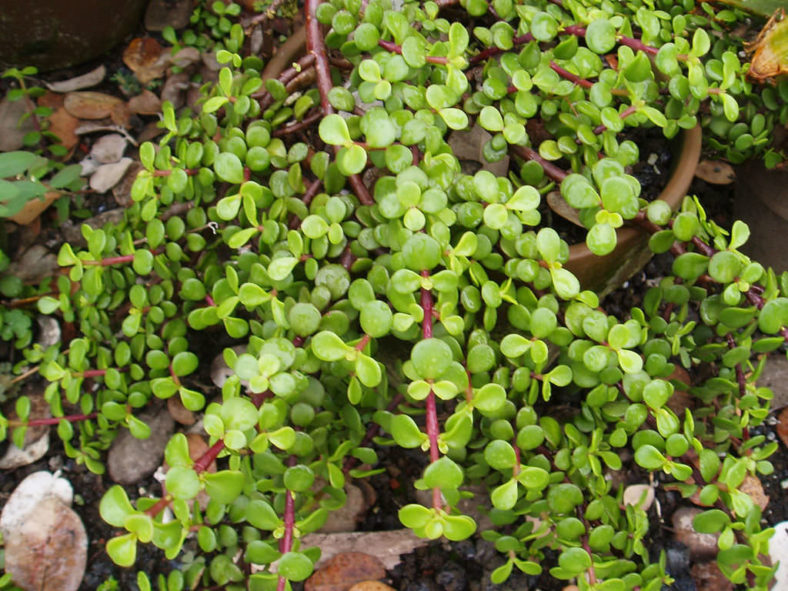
[550,169]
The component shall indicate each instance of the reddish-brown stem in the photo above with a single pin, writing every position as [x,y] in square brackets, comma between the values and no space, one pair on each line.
[303,124]
[363,342]
[92,373]
[286,543]
[569,76]
[201,465]
[624,114]
[493,51]
[550,169]
[315,45]
[168,172]
[312,190]
[430,406]
[118,260]
[394,48]
[52,420]
[637,44]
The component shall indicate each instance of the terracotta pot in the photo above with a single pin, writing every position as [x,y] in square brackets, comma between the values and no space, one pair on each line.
[761,200]
[606,273]
[52,34]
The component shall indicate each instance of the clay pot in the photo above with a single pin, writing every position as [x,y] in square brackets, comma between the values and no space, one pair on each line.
[606,273]
[52,34]
[761,201]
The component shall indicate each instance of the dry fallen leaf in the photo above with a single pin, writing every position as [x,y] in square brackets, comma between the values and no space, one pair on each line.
[782,426]
[387,546]
[79,82]
[715,172]
[50,99]
[559,205]
[91,105]
[108,148]
[63,125]
[175,407]
[49,551]
[145,103]
[109,175]
[753,487]
[33,208]
[708,577]
[146,58]
[371,586]
[770,49]
[345,570]
[174,89]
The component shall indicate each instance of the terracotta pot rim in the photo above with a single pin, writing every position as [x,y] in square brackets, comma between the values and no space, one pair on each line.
[673,194]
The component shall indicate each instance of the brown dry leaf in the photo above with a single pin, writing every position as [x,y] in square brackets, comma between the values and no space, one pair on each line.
[34,208]
[782,426]
[50,99]
[174,89]
[146,58]
[145,103]
[753,487]
[88,104]
[121,115]
[715,172]
[770,49]
[64,126]
[635,492]
[371,586]
[345,570]
[49,551]
[175,407]
[79,82]
[108,148]
[109,175]
[708,577]
[559,205]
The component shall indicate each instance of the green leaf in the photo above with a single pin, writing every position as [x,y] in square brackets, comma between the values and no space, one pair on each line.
[443,473]
[16,163]
[454,118]
[351,159]
[504,497]
[123,550]
[649,457]
[711,521]
[431,358]
[115,506]
[141,525]
[184,363]
[228,168]
[600,36]
[490,119]
[281,267]
[405,432]
[333,130]
[182,482]
[295,566]
[262,516]
[414,516]
[224,486]
[327,346]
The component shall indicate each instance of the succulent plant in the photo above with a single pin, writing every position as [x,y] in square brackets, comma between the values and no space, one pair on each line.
[432,309]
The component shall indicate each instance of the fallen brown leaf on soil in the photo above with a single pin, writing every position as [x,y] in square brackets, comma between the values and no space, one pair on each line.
[145,103]
[146,58]
[707,577]
[753,487]
[109,175]
[770,55]
[175,407]
[371,586]
[50,99]
[49,551]
[715,172]
[91,105]
[63,125]
[345,570]
[387,546]
[33,208]
[782,426]
[108,148]
[79,82]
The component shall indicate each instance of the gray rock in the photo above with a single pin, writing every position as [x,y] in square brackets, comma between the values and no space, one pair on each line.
[701,546]
[775,376]
[73,234]
[131,459]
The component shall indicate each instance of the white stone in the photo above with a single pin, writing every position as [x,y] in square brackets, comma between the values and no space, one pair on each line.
[778,552]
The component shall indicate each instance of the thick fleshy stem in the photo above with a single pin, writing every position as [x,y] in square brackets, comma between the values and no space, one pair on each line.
[305,123]
[52,420]
[493,51]
[554,172]
[430,406]
[315,45]
[286,543]
[394,48]
[635,44]
[118,260]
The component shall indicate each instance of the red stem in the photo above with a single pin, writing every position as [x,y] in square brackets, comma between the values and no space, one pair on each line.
[315,45]
[93,373]
[550,169]
[432,411]
[286,543]
[306,122]
[492,51]
[394,48]
[54,420]
[569,76]
[624,114]
[201,465]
